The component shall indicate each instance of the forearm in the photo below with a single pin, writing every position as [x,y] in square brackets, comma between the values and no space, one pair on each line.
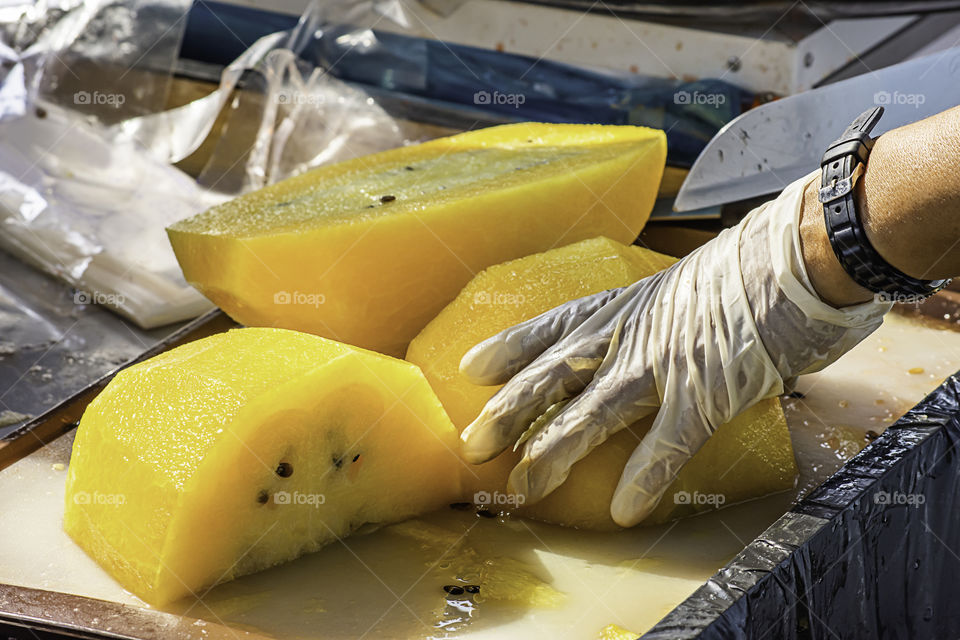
[909,201]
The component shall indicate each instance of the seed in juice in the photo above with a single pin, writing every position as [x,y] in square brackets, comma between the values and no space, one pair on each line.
[486,513]
[472,588]
[284,469]
[453,589]
[461,506]
[263,497]
[387,198]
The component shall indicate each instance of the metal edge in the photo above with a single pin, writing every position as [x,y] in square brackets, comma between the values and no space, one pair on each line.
[35,613]
[732,13]
[64,417]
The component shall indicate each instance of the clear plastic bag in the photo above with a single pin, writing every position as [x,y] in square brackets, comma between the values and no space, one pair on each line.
[86,148]
[306,118]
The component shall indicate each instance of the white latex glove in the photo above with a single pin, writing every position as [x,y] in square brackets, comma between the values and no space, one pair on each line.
[696,343]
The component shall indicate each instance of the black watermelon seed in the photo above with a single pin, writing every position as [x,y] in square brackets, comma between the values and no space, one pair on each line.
[408,168]
[387,198]
[472,588]
[486,513]
[453,589]
[263,497]
[461,506]
[337,461]
[356,457]
[41,113]
[284,469]
[872,435]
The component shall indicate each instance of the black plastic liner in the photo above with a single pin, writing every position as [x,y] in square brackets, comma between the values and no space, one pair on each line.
[874,552]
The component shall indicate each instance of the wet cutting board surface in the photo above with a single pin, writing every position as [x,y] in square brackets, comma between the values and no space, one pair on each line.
[389,585]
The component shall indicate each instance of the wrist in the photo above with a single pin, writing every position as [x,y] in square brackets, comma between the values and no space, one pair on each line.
[898,228]
[908,199]
[827,275]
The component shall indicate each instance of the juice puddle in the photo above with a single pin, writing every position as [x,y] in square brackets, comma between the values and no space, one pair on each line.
[390,584]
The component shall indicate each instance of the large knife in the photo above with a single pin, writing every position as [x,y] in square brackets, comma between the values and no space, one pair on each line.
[768,147]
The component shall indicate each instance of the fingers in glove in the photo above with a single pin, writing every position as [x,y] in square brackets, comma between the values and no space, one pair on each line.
[673,439]
[560,373]
[500,357]
[614,399]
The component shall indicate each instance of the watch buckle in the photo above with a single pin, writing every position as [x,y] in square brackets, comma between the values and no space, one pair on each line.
[836,190]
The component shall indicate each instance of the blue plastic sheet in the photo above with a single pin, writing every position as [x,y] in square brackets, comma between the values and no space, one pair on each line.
[513,87]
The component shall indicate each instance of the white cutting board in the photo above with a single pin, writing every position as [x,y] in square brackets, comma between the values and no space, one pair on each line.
[384,585]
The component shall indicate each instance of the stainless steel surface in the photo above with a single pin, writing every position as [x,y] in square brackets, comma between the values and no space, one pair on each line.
[767,148]
[52,345]
[62,418]
[931,33]
[731,11]
[34,613]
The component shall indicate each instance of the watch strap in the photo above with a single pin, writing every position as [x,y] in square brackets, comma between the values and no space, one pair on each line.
[853,249]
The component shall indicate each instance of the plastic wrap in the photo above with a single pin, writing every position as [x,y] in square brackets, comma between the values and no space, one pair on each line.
[871,553]
[71,201]
[86,184]
[108,59]
[306,118]
[93,212]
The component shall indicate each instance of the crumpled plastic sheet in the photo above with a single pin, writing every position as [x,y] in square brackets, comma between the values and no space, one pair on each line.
[874,552]
[86,180]
[93,213]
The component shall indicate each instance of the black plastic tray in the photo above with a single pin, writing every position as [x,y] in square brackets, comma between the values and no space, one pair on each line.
[874,552]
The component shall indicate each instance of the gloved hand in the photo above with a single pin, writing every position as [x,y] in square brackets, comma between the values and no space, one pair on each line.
[697,343]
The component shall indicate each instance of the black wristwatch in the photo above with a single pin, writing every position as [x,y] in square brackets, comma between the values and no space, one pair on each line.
[847,236]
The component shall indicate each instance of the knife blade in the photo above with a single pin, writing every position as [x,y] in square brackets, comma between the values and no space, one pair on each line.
[767,148]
